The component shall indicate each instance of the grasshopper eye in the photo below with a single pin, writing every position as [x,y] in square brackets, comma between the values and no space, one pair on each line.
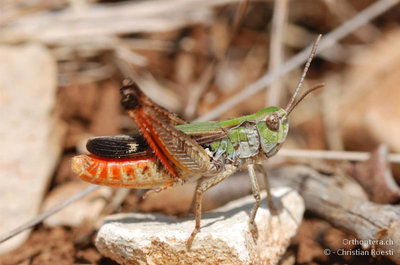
[272,122]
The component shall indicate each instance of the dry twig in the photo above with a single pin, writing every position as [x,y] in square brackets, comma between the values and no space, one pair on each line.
[343,10]
[332,155]
[38,219]
[332,200]
[99,20]
[278,30]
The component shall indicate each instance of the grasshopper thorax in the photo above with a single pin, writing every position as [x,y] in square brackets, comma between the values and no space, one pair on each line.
[273,128]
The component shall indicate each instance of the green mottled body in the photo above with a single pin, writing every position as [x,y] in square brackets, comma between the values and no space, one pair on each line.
[246,137]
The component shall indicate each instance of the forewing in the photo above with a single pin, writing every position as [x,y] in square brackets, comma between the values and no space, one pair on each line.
[180,148]
[208,139]
[204,132]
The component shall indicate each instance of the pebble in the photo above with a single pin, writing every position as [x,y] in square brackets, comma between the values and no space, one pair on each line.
[224,237]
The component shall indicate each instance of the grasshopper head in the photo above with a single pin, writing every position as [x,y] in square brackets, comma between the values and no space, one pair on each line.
[272,127]
[273,124]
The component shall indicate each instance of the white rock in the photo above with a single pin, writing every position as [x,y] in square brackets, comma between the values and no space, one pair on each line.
[224,237]
[30,138]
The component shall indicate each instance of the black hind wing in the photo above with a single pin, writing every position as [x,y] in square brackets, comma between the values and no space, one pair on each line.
[119,146]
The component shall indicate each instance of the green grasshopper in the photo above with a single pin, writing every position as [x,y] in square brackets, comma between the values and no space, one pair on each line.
[169,151]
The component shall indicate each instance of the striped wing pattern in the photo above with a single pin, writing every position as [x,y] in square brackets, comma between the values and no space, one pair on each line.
[180,148]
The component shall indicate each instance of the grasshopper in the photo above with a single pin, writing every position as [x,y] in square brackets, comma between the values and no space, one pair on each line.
[168,151]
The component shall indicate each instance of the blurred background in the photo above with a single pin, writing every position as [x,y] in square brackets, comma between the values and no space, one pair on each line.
[62,64]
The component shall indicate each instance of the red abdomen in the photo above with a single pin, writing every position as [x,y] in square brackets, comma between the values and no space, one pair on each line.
[139,173]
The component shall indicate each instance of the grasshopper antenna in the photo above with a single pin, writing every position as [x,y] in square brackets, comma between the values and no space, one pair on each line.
[292,103]
[302,97]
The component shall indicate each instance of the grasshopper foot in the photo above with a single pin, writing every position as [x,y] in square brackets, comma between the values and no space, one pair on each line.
[191,238]
[254,231]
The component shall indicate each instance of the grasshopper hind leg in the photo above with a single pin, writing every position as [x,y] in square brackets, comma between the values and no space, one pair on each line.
[203,185]
[192,204]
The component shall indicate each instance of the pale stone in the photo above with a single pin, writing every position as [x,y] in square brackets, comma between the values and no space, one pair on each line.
[30,138]
[224,237]
[87,208]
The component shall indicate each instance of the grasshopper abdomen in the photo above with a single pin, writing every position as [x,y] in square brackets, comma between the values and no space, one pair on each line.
[139,173]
